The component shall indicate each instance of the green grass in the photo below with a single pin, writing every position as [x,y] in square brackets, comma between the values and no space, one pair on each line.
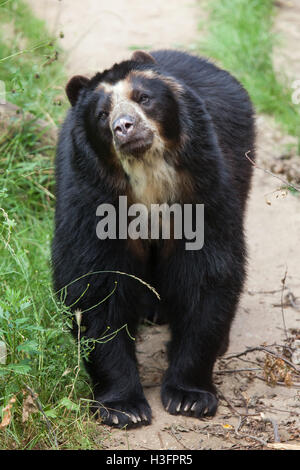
[29,62]
[41,354]
[40,351]
[240,38]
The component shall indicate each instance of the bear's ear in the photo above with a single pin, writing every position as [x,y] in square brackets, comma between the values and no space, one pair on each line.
[74,85]
[142,57]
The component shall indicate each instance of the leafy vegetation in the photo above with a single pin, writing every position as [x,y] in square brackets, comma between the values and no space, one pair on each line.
[40,381]
[240,37]
[29,64]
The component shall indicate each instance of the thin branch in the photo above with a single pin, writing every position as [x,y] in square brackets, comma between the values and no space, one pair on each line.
[262,348]
[285,182]
[52,435]
[282,309]
[252,292]
[232,371]
[172,433]
[221,395]
[249,436]
[268,419]
[292,300]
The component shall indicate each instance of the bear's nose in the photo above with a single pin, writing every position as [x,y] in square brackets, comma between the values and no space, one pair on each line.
[123,125]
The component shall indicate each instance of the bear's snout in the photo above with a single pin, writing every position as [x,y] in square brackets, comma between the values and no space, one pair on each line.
[123,126]
[131,137]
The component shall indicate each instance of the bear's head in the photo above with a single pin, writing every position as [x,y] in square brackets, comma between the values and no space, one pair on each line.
[132,105]
[130,115]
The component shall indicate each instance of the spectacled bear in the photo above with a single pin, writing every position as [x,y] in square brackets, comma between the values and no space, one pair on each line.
[161,127]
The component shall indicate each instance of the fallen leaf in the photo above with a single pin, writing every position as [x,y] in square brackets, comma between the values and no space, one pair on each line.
[6,413]
[227,426]
[29,407]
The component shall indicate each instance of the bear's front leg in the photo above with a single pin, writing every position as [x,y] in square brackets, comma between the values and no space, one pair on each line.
[199,315]
[118,395]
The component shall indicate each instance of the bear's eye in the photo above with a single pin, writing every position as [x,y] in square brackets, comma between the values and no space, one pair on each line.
[102,115]
[144,99]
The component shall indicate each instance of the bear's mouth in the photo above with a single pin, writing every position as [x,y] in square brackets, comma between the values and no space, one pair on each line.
[136,146]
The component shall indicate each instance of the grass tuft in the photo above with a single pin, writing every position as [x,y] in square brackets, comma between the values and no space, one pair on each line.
[29,63]
[37,351]
[240,37]
[41,354]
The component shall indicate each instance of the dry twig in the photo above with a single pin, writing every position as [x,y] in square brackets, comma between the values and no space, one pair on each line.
[282,310]
[262,348]
[285,182]
[268,419]
[52,435]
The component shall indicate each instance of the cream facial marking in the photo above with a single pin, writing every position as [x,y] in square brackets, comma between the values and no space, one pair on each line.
[152,179]
[173,84]
[120,99]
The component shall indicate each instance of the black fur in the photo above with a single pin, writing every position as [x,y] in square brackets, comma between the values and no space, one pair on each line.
[199,289]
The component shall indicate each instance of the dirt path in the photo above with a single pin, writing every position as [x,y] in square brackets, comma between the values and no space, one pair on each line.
[98,33]
[287,27]
[96,36]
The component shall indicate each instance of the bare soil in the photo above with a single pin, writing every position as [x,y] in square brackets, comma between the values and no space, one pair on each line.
[287,29]
[258,406]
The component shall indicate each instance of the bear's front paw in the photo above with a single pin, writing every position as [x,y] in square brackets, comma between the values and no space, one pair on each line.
[189,401]
[122,414]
